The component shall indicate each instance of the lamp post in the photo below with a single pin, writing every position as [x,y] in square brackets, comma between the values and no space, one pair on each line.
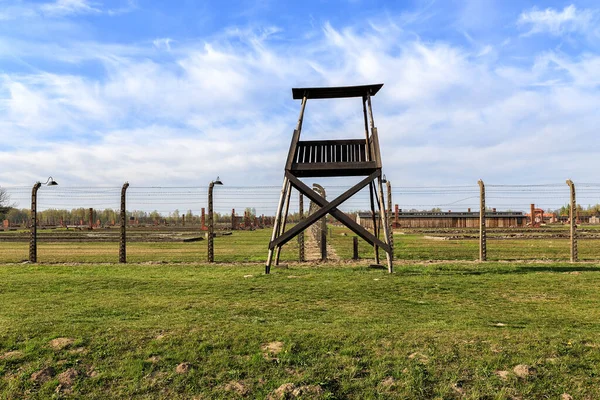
[33,240]
[211,228]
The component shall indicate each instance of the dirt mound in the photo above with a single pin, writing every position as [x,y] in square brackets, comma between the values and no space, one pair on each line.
[271,349]
[67,378]
[281,392]
[11,355]
[502,374]
[183,368]
[61,343]
[308,390]
[237,387]
[43,375]
[523,371]
[289,390]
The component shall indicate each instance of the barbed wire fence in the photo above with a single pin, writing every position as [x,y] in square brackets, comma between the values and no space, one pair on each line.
[168,224]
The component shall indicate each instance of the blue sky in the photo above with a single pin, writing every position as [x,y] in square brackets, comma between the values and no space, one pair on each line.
[175,93]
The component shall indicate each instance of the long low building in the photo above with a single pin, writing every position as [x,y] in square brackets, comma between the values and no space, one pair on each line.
[429,219]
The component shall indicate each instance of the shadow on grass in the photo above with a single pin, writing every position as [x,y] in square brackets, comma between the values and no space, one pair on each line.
[495,269]
[554,268]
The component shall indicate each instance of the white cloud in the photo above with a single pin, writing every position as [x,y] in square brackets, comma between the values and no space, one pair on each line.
[161,43]
[59,9]
[68,7]
[222,106]
[569,20]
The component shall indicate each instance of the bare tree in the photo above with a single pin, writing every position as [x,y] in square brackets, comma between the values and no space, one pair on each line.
[5,205]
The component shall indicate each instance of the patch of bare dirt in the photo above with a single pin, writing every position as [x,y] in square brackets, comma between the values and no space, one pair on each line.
[312,250]
[271,349]
[523,371]
[388,382]
[311,391]
[43,375]
[183,368]
[78,350]
[419,357]
[291,391]
[237,387]
[566,396]
[61,343]
[11,355]
[153,359]
[68,377]
[160,336]
[281,392]
[502,374]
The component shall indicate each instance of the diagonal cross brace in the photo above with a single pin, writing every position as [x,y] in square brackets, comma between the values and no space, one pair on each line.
[295,230]
[329,207]
[340,216]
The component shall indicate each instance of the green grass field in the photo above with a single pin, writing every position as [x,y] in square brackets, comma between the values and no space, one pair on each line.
[420,247]
[441,330]
[451,329]
[251,246]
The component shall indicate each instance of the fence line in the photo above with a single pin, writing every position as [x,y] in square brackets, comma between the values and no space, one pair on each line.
[152,210]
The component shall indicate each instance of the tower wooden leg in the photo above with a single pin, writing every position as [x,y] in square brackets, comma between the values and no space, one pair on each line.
[375,230]
[386,233]
[276,224]
[283,222]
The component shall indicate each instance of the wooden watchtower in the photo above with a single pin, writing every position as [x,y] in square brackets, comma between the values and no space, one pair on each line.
[329,158]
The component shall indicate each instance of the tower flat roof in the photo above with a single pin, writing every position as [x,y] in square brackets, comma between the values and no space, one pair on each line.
[336,92]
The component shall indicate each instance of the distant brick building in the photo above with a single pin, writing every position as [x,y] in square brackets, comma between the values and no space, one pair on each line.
[450,219]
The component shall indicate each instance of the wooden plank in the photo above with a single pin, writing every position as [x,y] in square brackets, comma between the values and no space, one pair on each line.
[376,148]
[332,173]
[331,142]
[336,92]
[333,166]
[293,147]
[364,100]
[296,136]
